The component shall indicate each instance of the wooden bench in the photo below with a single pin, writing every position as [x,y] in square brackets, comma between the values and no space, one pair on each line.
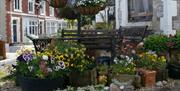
[134,34]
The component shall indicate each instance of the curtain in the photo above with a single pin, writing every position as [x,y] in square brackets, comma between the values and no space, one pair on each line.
[139,8]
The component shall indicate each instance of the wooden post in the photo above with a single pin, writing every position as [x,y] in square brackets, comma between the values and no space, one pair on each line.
[2,50]
[79,27]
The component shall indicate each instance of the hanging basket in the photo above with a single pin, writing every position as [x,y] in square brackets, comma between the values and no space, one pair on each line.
[58,3]
[91,10]
[68,13]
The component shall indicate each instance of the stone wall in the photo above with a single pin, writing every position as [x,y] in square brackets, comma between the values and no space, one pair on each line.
[176,20]
[157,13]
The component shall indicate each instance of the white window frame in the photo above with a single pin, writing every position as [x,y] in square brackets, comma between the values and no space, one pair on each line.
[51,27]
[122,15]
[18,29]
[43,8]
[20,6]
[33,3]
[51,11]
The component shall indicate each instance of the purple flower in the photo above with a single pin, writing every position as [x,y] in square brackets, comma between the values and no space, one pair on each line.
[61,64]
[25,57]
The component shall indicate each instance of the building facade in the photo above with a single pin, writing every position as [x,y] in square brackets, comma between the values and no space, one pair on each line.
[2,20]
[30,17]
[160,15]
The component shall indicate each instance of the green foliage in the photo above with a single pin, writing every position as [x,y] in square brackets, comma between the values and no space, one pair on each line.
[85,3]
[156,43]
[176,41]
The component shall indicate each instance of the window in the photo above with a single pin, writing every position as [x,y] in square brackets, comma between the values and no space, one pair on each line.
[140,10]
[33,27]
[51,27]
[31,6]
[43,7]
[17,5]
[51,10]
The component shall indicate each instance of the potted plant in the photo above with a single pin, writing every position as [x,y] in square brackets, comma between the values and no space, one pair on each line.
[123,68]
[44,71]
[150,64]
[174,63]
[81,66]
[68,13]
[90,7]
[157,43]
[58,3]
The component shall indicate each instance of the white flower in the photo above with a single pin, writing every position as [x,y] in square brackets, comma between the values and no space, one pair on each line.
[52,61]
[45,57]
[30,68]
[116,60]
[49,69]
[121,87]
[56,68]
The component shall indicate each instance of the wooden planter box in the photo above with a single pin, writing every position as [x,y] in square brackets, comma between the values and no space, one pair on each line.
[83,79]
[123,77]
[3,50]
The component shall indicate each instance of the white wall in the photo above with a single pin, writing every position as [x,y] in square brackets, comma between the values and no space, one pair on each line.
[169,10]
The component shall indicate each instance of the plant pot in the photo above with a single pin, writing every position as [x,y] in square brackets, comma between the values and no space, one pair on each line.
[173,71]
[36,84]
[58,3]
[89,10]
[148,78]
[77,79]
[124,77]
[161,75]
[68,13]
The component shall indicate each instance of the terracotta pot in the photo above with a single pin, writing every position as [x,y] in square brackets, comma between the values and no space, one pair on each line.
[58,3]
[149,78]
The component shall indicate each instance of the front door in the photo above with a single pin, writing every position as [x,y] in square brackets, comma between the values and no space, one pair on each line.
[15,33]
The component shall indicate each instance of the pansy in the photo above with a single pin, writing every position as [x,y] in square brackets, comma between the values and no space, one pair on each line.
[30,68]
[45,57]
[25,57]
[61,65]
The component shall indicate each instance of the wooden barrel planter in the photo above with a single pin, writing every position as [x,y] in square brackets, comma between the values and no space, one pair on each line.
[36,84]
[58,3]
